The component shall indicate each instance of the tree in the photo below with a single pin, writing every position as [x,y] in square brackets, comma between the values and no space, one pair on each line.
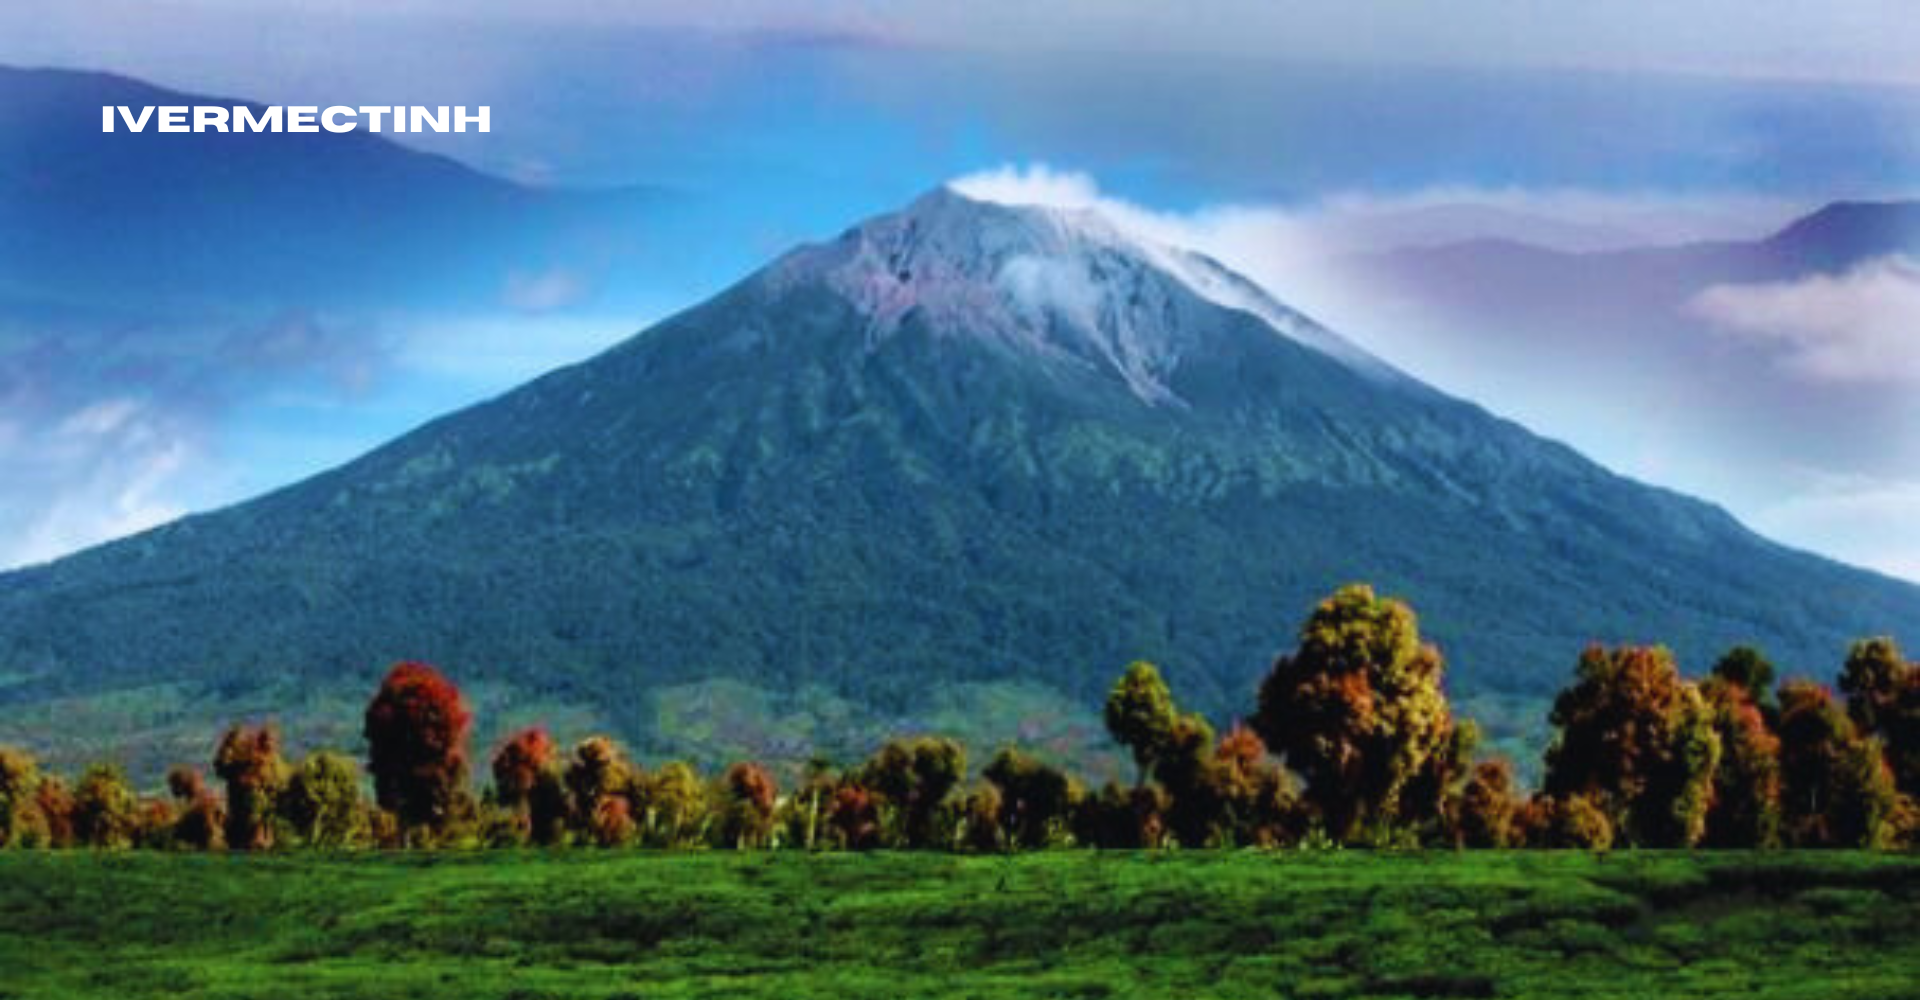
[806,809]
[751,794]
[528,784]
[416,728]
[1036,798]
[1357,710]
[1836,788]
[980,820]
[1749,669]
[598,774]
[677,806]
[248,760]
[611,822]
[1487,812]
[201,818]
[913,778]
[106,813]
[1639,740]
[322,801]
[21,823]
[1883,698]
[1255,793]
[154,822]
[1141,716]
[56,806]
[1573,821]
[1114,818]
[1433,796]
[1194,781]
[1745,807]
[854,818]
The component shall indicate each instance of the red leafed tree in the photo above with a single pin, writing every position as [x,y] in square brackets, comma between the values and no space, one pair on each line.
[854,819]
[518,764]
[751,797]
[416,729]
[611,824]
[526,781]
[202,821]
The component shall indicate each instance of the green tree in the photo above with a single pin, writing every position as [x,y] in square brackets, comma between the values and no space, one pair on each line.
[914,776]
[56,806]
[1141,715]
[980,813]
[248,760]
[1749,669]
[1836,788]
[106,813]
[21,823]
[1194,780]
[322,801]
[1116,818]
[1639,740]
[1432,799]
[1883,699]
[1357,710]
[1036,798]
[676,806]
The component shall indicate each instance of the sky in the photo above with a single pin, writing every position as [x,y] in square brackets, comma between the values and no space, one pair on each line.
[1285,138]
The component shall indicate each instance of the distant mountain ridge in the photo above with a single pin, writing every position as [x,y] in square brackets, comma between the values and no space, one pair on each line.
[198,219]
[962,444]
[1742,368]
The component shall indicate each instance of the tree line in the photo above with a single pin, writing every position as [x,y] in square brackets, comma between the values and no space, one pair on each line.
[1351,741]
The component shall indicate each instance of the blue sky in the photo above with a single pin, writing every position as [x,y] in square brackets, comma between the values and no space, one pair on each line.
[1277,135]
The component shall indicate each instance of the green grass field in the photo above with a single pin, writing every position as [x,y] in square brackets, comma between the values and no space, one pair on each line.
[586,924]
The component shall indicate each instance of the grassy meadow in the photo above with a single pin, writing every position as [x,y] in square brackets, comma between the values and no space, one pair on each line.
[580,925]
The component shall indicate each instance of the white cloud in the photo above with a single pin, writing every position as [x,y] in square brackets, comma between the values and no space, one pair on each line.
[110,468]
[1354,222]
[1303,253]
[543,291]
[1859,327]
[1864,520]
[1842,39]
[100,419]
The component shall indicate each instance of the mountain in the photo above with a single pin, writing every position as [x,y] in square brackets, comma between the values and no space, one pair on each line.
[962,449]
[1499,277]
[201,220]
[1763,372]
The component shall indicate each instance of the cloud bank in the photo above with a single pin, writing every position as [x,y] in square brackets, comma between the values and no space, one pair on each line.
[1824,332]
[1859,327]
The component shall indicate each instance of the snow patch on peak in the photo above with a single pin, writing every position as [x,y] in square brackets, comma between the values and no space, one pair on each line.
[1063,284]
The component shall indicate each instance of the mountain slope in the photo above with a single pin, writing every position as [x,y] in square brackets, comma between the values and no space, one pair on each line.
[961,444]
